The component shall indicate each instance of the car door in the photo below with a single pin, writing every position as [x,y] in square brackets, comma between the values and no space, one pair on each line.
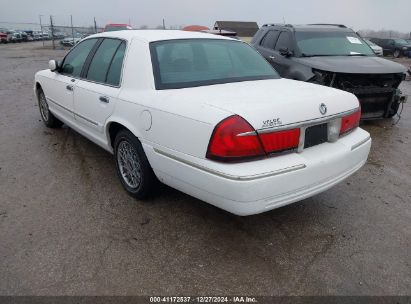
[97,90]
[59,89]
[389,46]
[282,63]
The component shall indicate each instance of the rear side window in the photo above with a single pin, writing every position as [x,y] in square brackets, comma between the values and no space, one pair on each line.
[74,61]
[269,39]
[102,60]
[284,41]
[114,73]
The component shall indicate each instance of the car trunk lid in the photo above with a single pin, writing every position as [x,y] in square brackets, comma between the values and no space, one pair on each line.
[274,103]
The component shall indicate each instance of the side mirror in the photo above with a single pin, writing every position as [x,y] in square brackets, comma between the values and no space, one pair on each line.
[53,65]
[286,52]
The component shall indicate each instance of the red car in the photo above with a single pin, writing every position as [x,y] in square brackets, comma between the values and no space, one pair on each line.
[4,38]
[117,27]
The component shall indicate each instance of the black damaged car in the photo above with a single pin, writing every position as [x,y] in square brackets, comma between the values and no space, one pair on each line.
[335,56]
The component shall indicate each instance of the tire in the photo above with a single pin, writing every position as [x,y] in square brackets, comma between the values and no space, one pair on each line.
[48,118]
[397,54]
[130,157]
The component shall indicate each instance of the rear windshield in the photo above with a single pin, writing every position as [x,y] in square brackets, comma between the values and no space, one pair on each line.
[197,62]
[331,44]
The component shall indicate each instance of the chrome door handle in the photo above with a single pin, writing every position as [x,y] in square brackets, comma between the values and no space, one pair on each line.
[70,87]
[272,57]
[104,99]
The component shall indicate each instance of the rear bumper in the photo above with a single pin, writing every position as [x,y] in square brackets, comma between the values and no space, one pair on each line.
[259,186]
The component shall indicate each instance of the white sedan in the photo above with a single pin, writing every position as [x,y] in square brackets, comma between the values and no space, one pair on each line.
[206,115]
[376,48]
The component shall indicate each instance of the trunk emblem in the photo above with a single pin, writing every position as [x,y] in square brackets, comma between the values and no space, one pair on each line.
[323,109]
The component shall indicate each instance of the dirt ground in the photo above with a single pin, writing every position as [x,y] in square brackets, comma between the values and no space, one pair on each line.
[68,228]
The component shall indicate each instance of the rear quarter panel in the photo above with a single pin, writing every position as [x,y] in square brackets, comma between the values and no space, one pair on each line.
[163,120]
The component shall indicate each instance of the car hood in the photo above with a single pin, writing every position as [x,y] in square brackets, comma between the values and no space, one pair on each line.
[264,103]
[353,64]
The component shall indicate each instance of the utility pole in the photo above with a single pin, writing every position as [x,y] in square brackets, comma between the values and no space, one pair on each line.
[164,24]
[72,29]
[95,25]
[41,28]
[52,31]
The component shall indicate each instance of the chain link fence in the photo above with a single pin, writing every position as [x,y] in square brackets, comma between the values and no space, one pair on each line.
[57,36]
[57,33]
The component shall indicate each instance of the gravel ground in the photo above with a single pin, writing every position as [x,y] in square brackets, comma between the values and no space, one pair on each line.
[68,228]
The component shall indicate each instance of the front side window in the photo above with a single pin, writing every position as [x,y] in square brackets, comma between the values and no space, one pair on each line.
[102,60]
[196,62]
[284,42]
[330,43]
[270,39]
[74,61]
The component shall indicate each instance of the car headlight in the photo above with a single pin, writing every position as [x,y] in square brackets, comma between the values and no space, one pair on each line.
[404,48]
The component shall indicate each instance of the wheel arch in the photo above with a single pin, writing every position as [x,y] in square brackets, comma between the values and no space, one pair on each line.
[114,125]
[37,87]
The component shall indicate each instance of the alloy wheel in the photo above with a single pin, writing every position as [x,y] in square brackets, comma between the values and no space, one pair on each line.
[129,164]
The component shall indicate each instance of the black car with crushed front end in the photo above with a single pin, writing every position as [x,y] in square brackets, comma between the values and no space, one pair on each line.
[335,56]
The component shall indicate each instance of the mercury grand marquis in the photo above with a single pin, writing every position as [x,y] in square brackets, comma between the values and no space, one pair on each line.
[206,115]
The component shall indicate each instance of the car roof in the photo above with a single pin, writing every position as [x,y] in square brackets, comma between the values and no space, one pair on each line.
[156,35]
[312,27]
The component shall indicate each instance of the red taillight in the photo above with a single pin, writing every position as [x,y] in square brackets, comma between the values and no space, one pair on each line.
[281,140]
[235,139]
[228,141]
[350,122]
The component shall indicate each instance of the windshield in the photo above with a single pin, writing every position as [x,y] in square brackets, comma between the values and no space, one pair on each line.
[332,44]
[370,43]
[401,41]
[196,62]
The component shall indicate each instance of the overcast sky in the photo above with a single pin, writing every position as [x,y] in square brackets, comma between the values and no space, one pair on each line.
[359,14]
